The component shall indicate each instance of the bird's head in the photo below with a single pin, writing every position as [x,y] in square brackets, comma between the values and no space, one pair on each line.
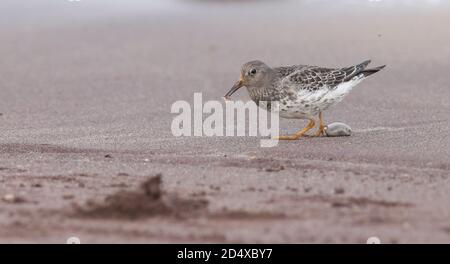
[253,74]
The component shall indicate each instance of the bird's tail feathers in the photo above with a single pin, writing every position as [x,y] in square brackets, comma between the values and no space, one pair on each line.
[360,70]
[367,72]
[355,70]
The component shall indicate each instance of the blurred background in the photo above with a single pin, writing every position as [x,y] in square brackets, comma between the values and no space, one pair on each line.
[111,58]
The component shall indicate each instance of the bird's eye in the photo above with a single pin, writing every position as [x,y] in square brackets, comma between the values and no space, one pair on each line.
[252,72]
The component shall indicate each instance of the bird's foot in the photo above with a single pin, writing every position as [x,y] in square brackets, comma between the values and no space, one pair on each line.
[299,133]
[292,137]
[320,132]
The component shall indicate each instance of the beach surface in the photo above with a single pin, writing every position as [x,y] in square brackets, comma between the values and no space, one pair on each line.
[86,90]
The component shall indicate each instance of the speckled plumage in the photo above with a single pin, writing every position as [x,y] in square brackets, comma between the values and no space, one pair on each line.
[302,91]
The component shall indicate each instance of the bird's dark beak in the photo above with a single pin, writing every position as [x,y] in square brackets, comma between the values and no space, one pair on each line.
[235,87]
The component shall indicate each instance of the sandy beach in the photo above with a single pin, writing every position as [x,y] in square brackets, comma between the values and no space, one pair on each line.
[86,90]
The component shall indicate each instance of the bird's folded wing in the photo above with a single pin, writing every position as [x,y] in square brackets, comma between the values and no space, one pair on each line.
[313,78]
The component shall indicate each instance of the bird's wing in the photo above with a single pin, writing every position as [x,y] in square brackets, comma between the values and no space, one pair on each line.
[285,71]
[313,78]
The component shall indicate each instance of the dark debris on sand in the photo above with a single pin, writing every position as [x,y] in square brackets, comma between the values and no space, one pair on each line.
[148,201]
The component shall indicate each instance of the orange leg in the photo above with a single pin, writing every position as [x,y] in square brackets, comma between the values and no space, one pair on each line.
[300,133]
[321,130]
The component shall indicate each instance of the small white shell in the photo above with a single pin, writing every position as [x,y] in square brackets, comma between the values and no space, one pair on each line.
[338,129]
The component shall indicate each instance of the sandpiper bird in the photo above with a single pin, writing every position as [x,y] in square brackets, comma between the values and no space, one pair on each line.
[303,92]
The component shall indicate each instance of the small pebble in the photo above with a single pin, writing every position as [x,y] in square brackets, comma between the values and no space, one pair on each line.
[339,190]
[68,196]
[11,198]
[307,189]
[338,129]
[275,168]
[291,189]
[216,188]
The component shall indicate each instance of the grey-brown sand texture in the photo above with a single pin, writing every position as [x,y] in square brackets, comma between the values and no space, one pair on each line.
[86,148]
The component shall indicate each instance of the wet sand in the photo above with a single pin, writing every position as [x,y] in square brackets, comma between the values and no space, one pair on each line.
[86,90]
